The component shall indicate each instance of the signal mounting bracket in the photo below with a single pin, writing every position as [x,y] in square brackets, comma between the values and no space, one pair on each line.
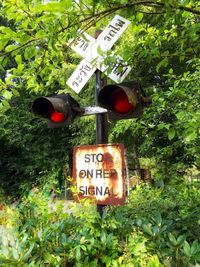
[94,110]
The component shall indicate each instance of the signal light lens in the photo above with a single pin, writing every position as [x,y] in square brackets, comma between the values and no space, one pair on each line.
[59,110]
[57,116]
[121,102]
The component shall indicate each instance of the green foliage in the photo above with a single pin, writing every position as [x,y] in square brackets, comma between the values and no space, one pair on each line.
[150,230]
[30,152]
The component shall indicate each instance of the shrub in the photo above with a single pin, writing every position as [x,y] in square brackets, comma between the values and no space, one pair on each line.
[154,228]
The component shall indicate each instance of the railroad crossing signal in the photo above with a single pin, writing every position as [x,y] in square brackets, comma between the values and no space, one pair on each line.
[94,50]
[123,101]
[100,176]
[59,110]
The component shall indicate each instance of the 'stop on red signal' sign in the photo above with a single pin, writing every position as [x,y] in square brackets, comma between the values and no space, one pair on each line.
[99,173]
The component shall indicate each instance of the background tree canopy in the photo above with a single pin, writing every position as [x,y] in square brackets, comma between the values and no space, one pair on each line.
[162,47]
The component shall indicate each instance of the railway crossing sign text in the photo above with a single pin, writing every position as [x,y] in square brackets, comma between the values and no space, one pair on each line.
[94,51]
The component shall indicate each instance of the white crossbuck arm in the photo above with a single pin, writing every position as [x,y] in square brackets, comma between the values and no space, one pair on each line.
[94,53]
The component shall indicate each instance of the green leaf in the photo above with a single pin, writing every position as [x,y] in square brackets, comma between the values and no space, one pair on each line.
[163,126]
[154,262]
[181,239]
[186,249]
[66,3]
[195,248]
[172,239]
[27,254]
[10,48]
[162,63]
[7,31]
[15,253]
[78,252]
[7,94]
[20,68]
[4,246]
[171,133]
[147,229]
[64,239]
[103,237]
[15,92]
[30,52]
[40,34]
[2,68]
[181,115]
[3,42]
[53,7]
[83,247]
[18,59]
[100,51]
[139,16]
[155,230]
[157,219]
[138,222]
[5,103]
[190,135]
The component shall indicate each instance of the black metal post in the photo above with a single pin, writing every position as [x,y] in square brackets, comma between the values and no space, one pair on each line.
[101,123]
[101,119]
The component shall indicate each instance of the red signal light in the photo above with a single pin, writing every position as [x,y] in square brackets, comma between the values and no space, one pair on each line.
[59,110]
[121,102]
[57,117]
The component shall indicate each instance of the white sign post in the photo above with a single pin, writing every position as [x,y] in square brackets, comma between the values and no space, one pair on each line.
[92,49]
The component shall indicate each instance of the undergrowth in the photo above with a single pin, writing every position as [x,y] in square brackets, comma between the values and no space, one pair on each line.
[156,227]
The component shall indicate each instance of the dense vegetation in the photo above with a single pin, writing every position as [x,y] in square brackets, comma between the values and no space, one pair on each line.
[157,226]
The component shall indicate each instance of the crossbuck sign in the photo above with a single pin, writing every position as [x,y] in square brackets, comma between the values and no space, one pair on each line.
[94,53]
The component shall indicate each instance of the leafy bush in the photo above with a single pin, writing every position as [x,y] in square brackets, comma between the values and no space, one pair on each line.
[154,228]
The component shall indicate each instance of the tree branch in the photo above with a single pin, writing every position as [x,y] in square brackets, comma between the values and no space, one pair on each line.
[93,18]
[115,8]
[18,48]
[190,9]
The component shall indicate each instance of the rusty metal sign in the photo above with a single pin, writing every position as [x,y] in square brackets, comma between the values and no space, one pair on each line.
[99,173]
